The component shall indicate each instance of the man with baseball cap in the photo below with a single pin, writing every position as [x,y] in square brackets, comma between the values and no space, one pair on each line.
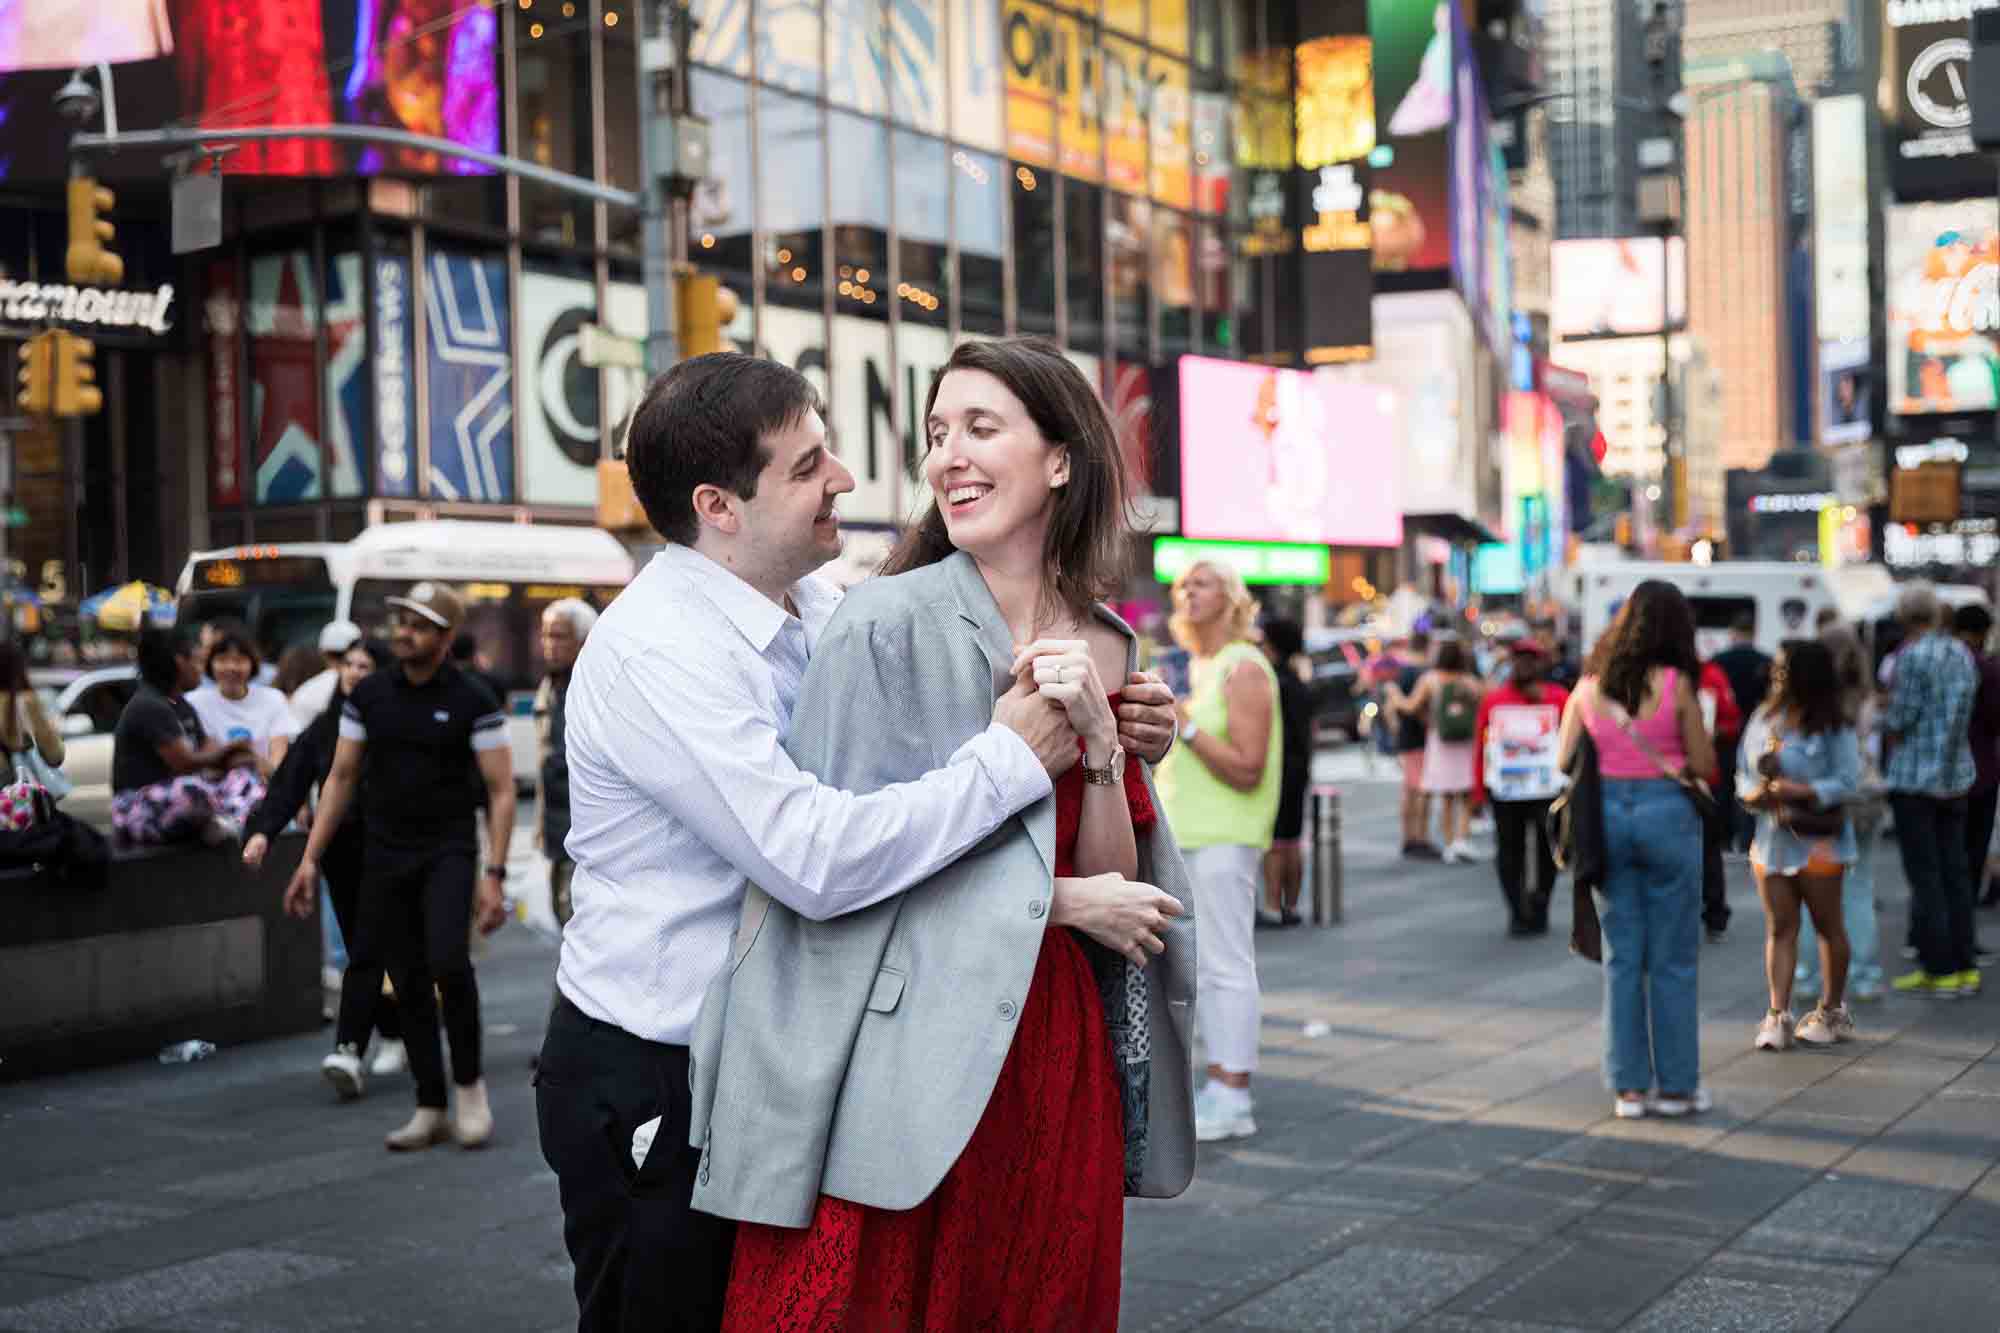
[417,732]
[1514,764]
[310,699]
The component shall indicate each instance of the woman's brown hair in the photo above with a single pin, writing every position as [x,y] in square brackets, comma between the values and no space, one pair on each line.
[1085,553]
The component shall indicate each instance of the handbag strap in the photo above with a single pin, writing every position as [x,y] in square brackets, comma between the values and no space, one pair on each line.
[1624,722]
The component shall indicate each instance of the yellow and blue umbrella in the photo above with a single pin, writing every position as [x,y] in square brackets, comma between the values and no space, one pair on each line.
[125,607]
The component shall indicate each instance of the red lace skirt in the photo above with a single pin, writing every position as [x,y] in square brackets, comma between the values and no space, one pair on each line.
[1026,1230]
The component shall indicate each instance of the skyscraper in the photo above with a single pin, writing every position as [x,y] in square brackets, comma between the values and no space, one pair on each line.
[1594,55]
[1814,36]
[1737,231]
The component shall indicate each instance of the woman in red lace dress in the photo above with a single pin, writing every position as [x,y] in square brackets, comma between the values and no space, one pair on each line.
[1025,1230]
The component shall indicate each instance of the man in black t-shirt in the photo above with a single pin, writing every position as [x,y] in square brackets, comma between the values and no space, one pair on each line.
[420,732]
[1748,670]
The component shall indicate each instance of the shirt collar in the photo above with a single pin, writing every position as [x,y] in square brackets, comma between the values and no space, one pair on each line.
[756,617]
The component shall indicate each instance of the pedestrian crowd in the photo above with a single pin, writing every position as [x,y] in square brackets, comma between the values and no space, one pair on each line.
[876,993]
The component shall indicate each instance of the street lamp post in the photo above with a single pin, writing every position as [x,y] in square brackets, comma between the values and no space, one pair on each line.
[1664,204]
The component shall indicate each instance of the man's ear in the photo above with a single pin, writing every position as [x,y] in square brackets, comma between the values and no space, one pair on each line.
[715,507]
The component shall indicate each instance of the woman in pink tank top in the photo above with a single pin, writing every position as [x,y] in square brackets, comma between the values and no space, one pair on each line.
[1637,704]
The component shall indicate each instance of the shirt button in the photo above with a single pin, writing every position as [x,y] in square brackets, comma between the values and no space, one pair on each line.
[1007,1010]
[1036,908]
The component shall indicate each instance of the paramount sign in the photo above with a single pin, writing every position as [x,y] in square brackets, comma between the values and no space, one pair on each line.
[94,306]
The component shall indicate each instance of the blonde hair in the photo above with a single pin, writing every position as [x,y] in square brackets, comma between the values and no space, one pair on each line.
[1242,606]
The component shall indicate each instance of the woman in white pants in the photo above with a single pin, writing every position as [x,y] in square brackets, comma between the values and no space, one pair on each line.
[1220,789]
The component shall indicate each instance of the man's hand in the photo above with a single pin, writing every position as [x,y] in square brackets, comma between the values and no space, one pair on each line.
[489,905]
[304,888]
[1146,718]
[1119,913]
[1043,725]
[253,851]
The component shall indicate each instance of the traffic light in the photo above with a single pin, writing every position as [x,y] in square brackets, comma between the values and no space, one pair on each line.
[77,394]
[37,374]
[703,307]
[90,260]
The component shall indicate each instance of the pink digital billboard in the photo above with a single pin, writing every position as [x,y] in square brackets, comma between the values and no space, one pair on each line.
[1284,455]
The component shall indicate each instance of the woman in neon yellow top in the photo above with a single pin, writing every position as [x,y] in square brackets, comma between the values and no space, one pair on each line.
[1220,790]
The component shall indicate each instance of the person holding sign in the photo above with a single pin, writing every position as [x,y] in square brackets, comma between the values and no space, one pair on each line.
[1514,767]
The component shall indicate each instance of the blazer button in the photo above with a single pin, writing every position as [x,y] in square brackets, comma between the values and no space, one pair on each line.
[1036,908]
[1007,1010]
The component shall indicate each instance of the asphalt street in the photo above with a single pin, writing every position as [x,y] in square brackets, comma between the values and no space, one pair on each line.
[1436,1153]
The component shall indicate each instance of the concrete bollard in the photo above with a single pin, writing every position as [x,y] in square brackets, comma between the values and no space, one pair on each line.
[1328,890]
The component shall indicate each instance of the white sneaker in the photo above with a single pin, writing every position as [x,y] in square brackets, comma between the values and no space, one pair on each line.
[390,1058]
[1468,853]
[1774,1033]
[1815,1029]
[1222,1112]
[1450,854]
[342,1068]
[1629,1108]
[1674,1107]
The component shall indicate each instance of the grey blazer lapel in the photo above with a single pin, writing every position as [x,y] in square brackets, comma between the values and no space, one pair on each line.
[981,614]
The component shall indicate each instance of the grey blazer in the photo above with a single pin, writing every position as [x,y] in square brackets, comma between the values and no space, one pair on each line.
[854,1057]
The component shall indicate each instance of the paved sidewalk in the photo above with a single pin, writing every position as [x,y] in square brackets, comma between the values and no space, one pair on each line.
[1441,1160]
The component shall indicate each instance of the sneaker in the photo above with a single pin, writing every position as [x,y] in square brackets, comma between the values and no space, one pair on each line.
[1968,982]
[427,1127]
[1467,852]
[1815,1029]
[472,1121]
[1921,982]
[1268,920]
[1422,851]
[1840,1021]
[1717,934]
[391,1058]
[1674,1105]
[342,1068]
[1774,1033]
[1629,1108]
[1450,854]
[1222,1113]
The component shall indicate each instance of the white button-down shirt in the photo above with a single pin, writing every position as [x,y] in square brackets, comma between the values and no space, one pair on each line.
[681,793]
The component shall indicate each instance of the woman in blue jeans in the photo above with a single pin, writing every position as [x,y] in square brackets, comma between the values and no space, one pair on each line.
[1637,701]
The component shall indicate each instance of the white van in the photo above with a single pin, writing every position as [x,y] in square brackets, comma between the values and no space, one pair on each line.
[1783,598]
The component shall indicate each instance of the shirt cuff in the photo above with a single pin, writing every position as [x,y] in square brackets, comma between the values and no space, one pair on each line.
[1018,778]
[352,730]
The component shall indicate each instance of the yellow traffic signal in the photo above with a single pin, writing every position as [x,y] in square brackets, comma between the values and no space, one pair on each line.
[37,374]
[77,394]
[703,307]
[90,259]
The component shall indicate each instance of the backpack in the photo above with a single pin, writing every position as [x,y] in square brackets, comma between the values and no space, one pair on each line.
[1457,714]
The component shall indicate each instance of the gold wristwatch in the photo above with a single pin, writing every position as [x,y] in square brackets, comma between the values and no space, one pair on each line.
[1111,774]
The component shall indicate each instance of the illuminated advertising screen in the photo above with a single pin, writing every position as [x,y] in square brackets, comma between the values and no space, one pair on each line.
[1840,219]
[1847,393]
[1943,305]
[1927,76]
[1609,288]
[1410,199]
[1335,113]
[426,66]
[1285,455]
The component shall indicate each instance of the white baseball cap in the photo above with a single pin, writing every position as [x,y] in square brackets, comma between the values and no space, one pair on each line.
[339,636]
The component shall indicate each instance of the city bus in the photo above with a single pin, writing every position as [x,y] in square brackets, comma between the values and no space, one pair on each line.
[506,572]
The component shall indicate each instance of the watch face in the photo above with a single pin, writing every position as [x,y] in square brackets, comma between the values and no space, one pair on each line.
[1939,84]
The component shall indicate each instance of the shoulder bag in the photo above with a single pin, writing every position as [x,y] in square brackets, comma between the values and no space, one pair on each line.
[1708,813]
[1698,793]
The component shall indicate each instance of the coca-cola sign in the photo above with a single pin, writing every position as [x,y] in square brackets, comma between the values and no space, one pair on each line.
[1943,298]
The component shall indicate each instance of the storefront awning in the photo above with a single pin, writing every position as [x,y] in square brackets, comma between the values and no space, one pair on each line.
[1451,527]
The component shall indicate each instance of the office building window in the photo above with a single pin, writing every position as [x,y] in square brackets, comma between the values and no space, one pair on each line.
[1034,250]
[923,225]
[979,212]
[1083,259]
[791,190]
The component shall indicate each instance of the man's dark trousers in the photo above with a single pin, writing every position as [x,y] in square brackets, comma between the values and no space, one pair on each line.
[1930,833]
[645,1261]
[1516,824]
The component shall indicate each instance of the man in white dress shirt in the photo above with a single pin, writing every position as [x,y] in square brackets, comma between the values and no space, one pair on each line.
[681,792]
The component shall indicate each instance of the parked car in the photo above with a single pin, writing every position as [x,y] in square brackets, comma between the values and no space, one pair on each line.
[86,703]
